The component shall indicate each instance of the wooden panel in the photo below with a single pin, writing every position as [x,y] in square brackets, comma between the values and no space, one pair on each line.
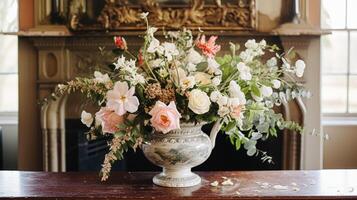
[331,184]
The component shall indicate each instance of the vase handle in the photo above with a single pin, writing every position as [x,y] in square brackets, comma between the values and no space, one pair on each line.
[214,131]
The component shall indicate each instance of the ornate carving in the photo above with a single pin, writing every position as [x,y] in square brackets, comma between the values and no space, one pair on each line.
[123,15]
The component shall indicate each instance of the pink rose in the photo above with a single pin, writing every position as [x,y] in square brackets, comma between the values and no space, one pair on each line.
[165,118]
[109,120]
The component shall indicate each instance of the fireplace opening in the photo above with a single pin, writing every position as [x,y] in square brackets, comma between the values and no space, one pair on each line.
[84,155]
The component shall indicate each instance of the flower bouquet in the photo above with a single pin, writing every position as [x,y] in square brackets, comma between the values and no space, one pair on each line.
[181,83]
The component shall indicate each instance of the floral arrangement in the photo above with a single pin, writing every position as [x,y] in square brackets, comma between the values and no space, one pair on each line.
[182,80]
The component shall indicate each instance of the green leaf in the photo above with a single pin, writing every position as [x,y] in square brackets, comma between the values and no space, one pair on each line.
[255,90]
[230,126]
[201,67]
[238,144]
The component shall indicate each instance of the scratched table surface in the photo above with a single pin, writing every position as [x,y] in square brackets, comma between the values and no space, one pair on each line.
[321,184]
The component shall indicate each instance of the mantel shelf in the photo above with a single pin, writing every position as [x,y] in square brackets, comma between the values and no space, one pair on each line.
[287,33]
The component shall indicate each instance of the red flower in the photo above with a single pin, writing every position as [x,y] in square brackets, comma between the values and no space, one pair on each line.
[120,42]
[208,48]
[140,58]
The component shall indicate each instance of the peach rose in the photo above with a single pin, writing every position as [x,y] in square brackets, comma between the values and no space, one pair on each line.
[109,120]
[165,118]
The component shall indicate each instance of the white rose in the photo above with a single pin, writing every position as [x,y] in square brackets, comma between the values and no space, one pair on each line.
[300,68]
[215,95]
[272,62]
[194,57]
[86,118]
[244,71]
[266,91]
[198,101]
[276,84]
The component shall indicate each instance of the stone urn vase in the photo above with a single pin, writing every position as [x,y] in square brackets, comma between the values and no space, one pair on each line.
[178,151]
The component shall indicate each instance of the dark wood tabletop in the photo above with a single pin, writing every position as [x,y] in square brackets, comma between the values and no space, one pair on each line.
[325,184]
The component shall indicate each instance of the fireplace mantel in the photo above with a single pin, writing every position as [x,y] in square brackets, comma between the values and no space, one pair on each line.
[59,58]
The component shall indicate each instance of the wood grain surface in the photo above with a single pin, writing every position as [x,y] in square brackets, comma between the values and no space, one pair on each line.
[325,184]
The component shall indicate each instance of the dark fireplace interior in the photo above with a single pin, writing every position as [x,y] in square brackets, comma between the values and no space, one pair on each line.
[83,155]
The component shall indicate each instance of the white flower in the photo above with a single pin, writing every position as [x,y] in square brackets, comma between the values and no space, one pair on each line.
[198,101]
[151,31]
[266,91]
[262,43]
[212,65]
[276,84]
[154,46]
[101,78]
[163,72]
[156,63]
[120,62]
[191,67]
[272,62]
[246,56]
[233,102]
[194,57]
[121,99]
[86,118]
[138,78]
[215,95]
[244,71]
[188,82]
[235,92]
[223,111]
[282,97]
[216,80]
[222,101]
[144,15]
[170,50]
[251,44]
[178,75]
[286,64]
[300,68]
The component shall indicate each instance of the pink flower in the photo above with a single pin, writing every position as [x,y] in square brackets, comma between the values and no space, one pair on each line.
[208,48]
[121,99]
[109,120]
[236,111]
[120,43]
[165,118]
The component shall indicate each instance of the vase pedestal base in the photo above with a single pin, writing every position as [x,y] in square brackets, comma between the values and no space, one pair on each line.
[177,178]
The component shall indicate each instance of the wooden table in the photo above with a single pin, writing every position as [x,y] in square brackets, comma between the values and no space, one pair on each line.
[326,184]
